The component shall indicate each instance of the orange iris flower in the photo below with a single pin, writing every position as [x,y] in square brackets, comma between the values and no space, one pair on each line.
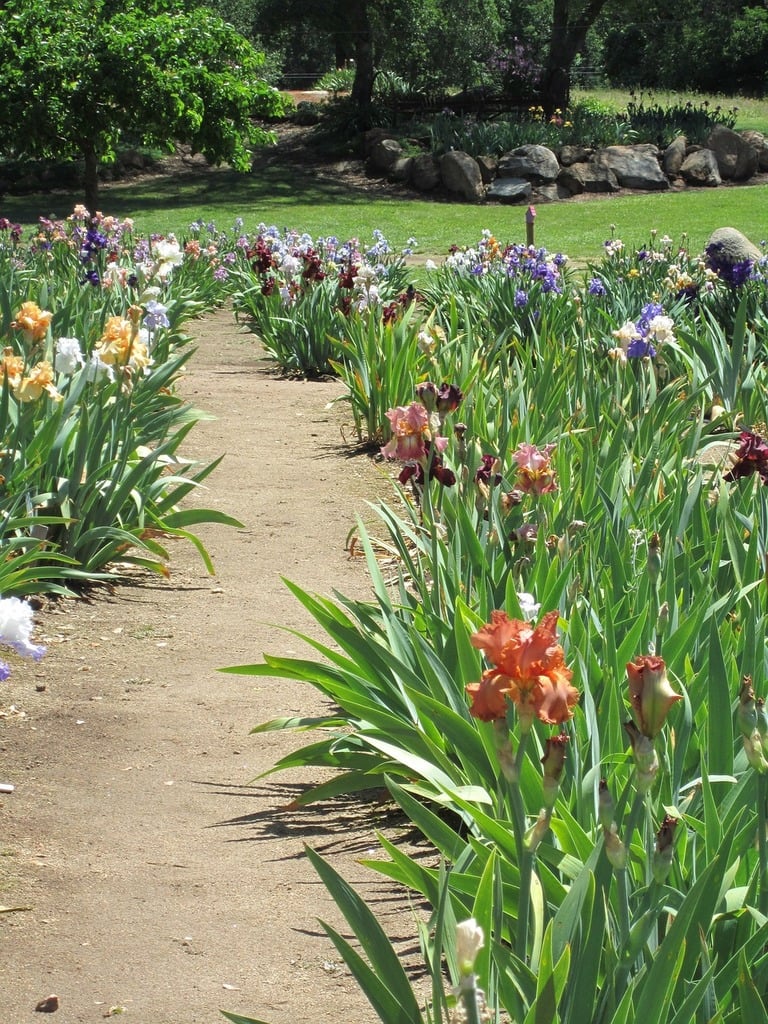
[528,668]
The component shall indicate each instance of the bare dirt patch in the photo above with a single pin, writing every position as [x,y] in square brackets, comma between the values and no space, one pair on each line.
[156,881]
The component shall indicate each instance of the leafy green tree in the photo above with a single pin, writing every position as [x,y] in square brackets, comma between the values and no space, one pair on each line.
[746,51]
[439,44]
[720,46]
[79,77]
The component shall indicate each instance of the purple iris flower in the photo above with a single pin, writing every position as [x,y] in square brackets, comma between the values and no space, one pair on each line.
[156,316]
[647,313]
[734,274]
[639,348]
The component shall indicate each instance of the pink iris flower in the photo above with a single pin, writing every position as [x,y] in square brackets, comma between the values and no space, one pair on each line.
[410,434]
[535,472]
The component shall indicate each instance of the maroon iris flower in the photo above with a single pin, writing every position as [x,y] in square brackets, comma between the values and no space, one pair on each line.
[391,313]
[751,457]
[313,268]
[263,260]
[347,277]
[485,474]
[443,398]
[437,471]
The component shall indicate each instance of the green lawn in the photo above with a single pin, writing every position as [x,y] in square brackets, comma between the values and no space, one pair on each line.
[296,199]
[577,228]
[751,112]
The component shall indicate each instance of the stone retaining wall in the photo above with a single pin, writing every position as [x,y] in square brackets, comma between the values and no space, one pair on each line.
[538,173]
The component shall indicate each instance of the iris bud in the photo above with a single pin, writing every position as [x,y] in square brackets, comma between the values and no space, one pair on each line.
[650,693]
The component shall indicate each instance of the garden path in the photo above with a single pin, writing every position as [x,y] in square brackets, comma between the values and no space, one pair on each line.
[154,881]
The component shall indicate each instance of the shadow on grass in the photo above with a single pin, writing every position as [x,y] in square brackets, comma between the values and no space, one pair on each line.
[273,185]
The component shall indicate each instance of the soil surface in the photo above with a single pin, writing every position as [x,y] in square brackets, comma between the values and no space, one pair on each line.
[154,878]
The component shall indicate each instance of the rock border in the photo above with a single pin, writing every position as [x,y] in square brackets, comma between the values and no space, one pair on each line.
[540,173]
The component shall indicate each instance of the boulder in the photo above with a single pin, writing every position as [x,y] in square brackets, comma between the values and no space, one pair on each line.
[489,168]
[383,155]
[510,190]
[729,246]
[574,155]
[535,163]
[551,193]
[700,168]
[401,169]
[132,160]
[760,143]
[634,166]
[673,157]
[587,177]
[425,173]
[736,158]
[460,173]
[375,135]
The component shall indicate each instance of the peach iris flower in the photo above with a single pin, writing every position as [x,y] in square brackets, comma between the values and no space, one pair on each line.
[120,345]
[32,321]
[528,668]
[40,379]
[114,347]
[650,693]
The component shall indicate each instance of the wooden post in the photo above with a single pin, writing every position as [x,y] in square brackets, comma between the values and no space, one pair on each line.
[530,217]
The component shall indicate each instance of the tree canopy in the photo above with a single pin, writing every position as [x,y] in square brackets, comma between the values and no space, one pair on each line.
[533,46]
[81,77]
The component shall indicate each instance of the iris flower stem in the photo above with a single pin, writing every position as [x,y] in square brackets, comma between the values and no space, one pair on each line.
[762,841]
[635,813]
[525,864]
[524,905]
[510,769]
[622,878]
[623,885]
[525,858]
[469,997]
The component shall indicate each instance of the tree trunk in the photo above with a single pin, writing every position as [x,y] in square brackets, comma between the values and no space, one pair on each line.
[91,177]
[365,72]
[568,37]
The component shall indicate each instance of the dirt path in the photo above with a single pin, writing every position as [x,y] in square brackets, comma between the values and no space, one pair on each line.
[160,885]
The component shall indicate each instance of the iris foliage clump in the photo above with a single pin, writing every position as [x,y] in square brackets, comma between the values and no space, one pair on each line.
[91,424]
[560,676]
